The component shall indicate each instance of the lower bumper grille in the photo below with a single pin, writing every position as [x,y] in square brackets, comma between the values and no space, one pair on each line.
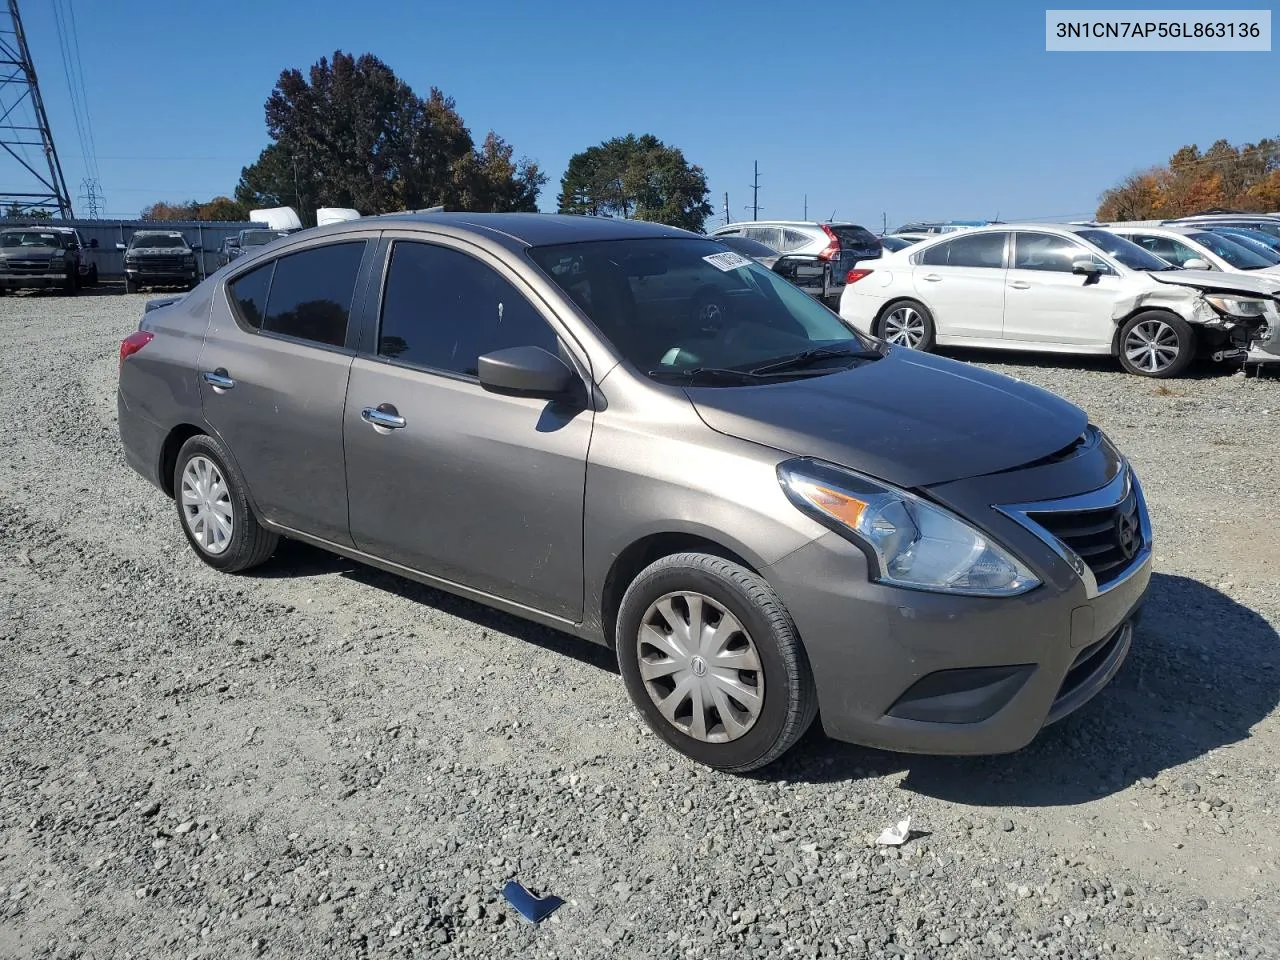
[1091,670]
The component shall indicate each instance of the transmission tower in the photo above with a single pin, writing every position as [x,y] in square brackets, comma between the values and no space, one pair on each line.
[42,178]
[91,193]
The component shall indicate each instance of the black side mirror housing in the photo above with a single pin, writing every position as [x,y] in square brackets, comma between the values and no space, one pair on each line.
[93,243]
[527,372]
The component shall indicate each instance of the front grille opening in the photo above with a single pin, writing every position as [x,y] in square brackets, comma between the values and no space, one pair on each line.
[1106,539]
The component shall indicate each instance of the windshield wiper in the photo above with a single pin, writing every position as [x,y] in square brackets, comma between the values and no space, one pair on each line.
[809,357]
[707,375]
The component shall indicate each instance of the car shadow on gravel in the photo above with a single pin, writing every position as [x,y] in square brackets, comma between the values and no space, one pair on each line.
[294,559]
[1203,671]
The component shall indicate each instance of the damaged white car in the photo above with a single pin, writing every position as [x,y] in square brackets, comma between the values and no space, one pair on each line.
[1063,289]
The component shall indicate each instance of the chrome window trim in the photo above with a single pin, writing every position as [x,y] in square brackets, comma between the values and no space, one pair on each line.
[1109,496]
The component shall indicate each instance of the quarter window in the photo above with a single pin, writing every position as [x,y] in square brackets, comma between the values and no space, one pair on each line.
[443,309]
[969,250]
[249,294]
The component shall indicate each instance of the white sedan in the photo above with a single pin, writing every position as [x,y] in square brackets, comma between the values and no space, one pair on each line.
[1197,247]
[1063,289]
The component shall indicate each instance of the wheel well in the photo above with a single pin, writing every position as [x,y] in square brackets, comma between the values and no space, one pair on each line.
[889,306]
[169,453]
[1120,322]
[628,564]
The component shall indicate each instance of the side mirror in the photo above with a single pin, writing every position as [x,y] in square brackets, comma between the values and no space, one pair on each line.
[197,246]
[93,243]
[1085,268]
[526,372]
[1196,263]
[121,246]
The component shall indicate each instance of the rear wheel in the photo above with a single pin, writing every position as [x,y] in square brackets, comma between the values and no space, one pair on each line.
[214,510]
[710,657]
[1156,344]
[907,323]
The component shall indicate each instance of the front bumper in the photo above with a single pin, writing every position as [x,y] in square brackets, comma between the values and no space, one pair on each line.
[33,281]
[161,275]
[922,672]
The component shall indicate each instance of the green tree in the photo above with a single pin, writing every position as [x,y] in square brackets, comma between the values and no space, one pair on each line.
[352,134]
[639,177]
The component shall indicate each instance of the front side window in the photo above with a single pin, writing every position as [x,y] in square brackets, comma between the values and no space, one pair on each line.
[443,309]
[669,306]
[969,250]
[1174,251]
[1045,251]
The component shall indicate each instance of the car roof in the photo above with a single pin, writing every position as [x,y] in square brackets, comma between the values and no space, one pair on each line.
[1178,230]
[785,223]
[523,229]
[157,233]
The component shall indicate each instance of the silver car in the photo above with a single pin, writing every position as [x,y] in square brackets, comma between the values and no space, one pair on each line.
[768,515]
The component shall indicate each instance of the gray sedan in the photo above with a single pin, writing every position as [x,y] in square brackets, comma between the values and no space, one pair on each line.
[638,436]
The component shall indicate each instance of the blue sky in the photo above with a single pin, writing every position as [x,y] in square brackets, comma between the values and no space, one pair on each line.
[908,110]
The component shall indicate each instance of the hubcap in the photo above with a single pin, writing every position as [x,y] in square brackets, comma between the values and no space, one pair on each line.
[1151,346]
[206,505]
[905,327]
[700,667]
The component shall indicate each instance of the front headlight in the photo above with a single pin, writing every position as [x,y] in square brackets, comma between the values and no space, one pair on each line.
[1232,306]
[913,543]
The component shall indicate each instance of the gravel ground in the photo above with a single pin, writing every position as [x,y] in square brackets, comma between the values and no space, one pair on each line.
[320,759]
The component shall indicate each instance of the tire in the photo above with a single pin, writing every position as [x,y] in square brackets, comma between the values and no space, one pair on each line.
[130,286]
[1156,344]
[93,275]
[249,543]
[907,323]
[767,638]
[71,286]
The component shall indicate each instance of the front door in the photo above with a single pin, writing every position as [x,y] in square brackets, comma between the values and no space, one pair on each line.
[273,381]
[479,489]
[1046,303]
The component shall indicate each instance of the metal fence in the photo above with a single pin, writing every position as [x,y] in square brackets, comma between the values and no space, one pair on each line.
[208,235]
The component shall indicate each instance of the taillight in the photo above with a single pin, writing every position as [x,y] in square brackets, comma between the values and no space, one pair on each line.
[133,343]
[853,276]
[832,252]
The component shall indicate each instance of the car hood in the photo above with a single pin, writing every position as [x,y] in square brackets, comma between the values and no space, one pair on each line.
[909,418]
[1219,282]
[33,253]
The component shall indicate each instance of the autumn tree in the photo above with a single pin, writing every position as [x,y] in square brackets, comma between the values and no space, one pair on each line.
[219,208]
[1245,178]
[350,133]
[639,177]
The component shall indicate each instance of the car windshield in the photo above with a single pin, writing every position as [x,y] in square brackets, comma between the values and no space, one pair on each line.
[1253,238]
[673,306]
[256,238]
[152,241]
[1128,253]
[1236,254]
[29,238]
[855,237]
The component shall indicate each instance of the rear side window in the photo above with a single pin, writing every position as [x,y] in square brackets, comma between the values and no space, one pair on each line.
[969,250]
[310,293]
[249,294]
[443,309]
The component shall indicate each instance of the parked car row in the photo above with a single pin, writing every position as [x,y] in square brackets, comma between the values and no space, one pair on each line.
[1156,304]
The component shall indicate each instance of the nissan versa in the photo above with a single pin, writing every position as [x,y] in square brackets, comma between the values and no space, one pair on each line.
[643,438]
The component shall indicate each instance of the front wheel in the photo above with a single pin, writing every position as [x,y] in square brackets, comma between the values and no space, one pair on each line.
[710,657]
[214,510]
[1156,344]
[909,324]
[130,286]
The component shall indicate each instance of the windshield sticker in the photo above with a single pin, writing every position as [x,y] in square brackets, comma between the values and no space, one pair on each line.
[729,260]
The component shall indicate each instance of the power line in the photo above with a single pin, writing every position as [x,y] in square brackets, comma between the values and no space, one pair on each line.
[84,93]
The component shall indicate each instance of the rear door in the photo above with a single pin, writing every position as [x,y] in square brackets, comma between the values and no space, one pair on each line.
[273,380]
[479,489]
[961,281]
[1048,304]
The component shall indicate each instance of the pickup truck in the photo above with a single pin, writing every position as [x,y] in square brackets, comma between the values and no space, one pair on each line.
[45,257]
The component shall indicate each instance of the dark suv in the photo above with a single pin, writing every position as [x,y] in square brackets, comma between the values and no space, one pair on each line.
[43,257]
[159,258]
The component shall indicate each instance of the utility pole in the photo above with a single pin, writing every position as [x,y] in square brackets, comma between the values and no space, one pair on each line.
[755,192]
[18,83]
[884,223]
[727,221]
[806,207]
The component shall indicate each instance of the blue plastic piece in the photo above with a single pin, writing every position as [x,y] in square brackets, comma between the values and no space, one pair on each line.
[534,909]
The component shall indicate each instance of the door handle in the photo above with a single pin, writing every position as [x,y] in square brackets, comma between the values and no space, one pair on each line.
[218,379]
[384,415]
[932,277]
[1020,285]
